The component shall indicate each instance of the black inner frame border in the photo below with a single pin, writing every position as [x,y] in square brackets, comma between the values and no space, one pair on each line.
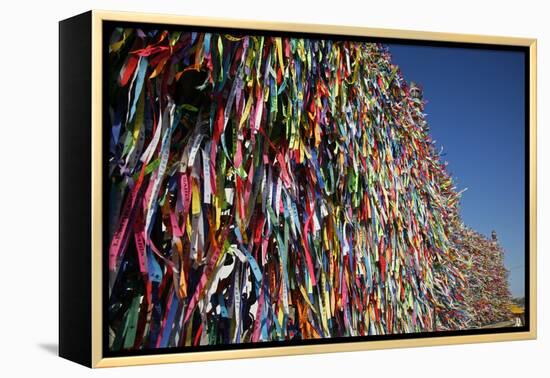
[108,27]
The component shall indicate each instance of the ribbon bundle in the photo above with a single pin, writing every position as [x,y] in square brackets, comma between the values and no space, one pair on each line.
[486,296]
[270,189]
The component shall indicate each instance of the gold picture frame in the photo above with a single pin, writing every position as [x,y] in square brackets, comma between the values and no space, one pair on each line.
[95,263]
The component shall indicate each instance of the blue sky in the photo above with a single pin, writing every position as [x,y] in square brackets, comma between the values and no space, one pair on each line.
[475,109]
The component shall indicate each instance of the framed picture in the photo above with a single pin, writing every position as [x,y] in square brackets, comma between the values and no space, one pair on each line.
[235,189]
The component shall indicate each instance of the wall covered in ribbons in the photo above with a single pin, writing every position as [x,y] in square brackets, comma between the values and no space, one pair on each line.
[276,188]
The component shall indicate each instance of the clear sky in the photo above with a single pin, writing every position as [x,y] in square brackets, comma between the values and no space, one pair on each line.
[475,109]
